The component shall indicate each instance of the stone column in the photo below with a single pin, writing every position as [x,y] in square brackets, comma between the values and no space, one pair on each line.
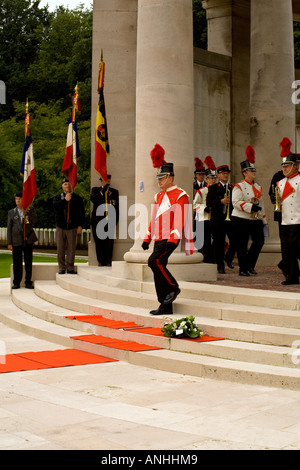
[114,31]
[272,113]
[228,28]
[164,101]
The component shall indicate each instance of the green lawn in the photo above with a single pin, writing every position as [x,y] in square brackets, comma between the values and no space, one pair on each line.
[6,261]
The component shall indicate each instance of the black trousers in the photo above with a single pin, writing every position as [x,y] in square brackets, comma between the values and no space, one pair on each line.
[17,253]
[104,248]
[203,240]
[219,235]
[163,279]
[290,237]
[244,230]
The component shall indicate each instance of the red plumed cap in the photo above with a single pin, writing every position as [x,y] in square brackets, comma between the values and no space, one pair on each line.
[250,154]
[157,155]
[198,164]
[286,147]
[210,163]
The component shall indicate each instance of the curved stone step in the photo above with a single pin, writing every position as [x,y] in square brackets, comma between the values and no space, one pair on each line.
[55,294]
[191,306]
[197,290]
[16,318]
[253,333]
[202,366]
[227,349]
[235,363]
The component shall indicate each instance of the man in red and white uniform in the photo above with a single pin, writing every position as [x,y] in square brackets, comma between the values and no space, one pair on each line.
[166,227]
[248,216]
[289,190]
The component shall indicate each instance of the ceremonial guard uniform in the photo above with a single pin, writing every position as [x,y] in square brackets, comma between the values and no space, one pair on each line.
[166,227]
[273,190]
[219,201]
[108,199]
[248,216]
[289,190]
[203,239]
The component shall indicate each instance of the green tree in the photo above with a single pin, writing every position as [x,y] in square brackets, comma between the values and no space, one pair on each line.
[297,43]
[63,59]
[199,25]
[49,124]
[42,57]
[22,28]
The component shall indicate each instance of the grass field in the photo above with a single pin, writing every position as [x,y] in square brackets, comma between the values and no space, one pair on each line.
[6,261]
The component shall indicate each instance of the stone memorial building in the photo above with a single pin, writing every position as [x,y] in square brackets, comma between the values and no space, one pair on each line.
[160,89]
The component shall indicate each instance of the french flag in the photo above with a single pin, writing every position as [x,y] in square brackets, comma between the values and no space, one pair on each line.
[28,172]
[69,168]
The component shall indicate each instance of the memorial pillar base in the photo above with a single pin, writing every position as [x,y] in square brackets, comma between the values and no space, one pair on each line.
[183,267]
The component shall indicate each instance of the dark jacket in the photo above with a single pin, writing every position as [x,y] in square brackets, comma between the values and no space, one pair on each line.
[104,195]
[216,192]
[68,215]
[15,227]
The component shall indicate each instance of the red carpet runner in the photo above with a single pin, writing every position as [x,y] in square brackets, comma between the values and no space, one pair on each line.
[72,357]
[49,360]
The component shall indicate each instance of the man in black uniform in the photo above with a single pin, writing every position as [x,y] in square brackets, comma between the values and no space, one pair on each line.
[104,218]
[69,212]
[219,201]
[199,175]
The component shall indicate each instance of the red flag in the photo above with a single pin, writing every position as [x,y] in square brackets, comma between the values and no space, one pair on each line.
[69,168]
[27,166]
[101,134]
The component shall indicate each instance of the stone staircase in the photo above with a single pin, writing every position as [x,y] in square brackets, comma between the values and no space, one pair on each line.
[259,327]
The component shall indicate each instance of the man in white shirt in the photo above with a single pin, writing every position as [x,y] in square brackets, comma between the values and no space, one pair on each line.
[248,216]
[289,190]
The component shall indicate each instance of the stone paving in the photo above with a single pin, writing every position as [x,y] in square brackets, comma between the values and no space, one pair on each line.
[268,277]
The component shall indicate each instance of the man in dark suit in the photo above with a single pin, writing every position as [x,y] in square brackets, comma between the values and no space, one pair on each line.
[104,218]
[219,201]
[69,214]
[20,239]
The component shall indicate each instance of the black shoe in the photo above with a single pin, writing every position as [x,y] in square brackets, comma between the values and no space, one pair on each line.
[280,265]
[16,286]
[288,283]
[161,310]
[71,272]
[244,273]
[29,285]
[252,271]
[171,297]
[221,270]
[61,271]
[229,264]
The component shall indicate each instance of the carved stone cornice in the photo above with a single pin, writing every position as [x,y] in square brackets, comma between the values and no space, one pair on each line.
[221,8]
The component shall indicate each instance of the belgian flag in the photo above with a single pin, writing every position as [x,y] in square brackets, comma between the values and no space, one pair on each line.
[101,134]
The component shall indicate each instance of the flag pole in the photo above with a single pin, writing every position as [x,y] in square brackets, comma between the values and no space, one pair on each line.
[101,134]
[27,163]
[27,119]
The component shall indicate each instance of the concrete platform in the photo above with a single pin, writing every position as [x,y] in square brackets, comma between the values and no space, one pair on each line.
[121,406]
